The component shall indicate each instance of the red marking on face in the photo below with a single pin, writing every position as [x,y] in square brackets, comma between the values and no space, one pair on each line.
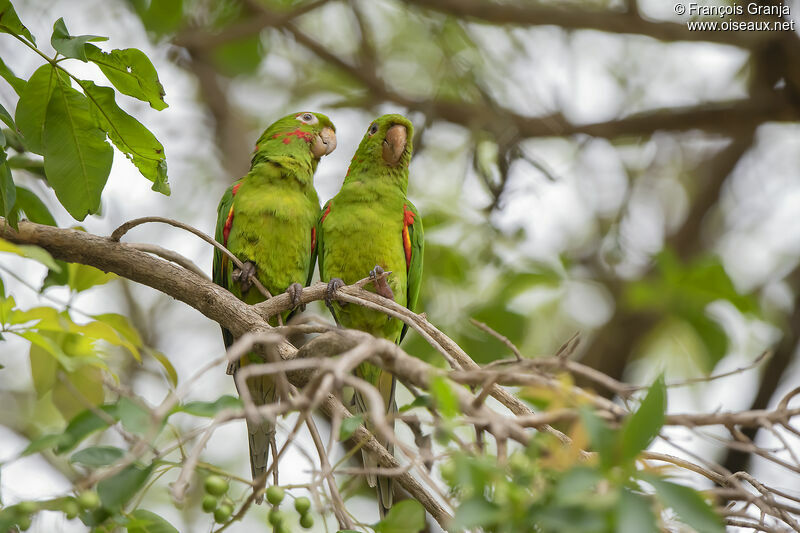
[276,135]
[325,214]
[286,140]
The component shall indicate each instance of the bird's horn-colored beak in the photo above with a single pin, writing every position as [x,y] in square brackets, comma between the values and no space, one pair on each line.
[394,145]
[324,142]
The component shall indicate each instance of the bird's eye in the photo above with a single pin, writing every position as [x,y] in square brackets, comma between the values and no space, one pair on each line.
[373,129]
[307,118]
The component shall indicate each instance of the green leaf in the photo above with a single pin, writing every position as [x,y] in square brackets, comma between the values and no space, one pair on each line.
[474,513]
[172,374]
[634,514]
[83,277]
[97,456]
[131,72]
[77,159]
[407,516]
[349,426]
[210,409]
[240,56]
[10,23]
[42,443]
[18,84]
[69,45]
[5,116]
[133,416]
[31,252]
[43,369]
[8,192]
[643,426]
[444,397]
[33,207]
[118,489]
[83,425]
[144,521]
[602,437]
[129,136]
[32,105]
[422,400]
[690,507]
[127,333]
[161,17]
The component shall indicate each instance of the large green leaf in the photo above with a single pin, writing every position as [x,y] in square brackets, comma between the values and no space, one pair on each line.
[118,489]
[18,84]
[131,72]
[642,426]
[690,507]
[32,105]
[407,516]
[129,136]
[10,23]
[77,159]
[69,45]
[144,521]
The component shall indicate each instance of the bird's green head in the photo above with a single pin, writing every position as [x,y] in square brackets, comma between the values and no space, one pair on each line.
[386,143]
[299,132]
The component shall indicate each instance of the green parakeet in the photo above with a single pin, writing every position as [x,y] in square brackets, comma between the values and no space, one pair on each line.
[267,220]
[371,227]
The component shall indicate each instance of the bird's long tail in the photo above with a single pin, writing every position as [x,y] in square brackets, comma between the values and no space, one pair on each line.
[382,484]
[260,431]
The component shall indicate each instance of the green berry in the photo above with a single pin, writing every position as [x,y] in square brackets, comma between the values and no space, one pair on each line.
[275,495]
[222,513]
[24,523]
[89,500]
[275,517]
[302,505]
[307,521]
[216,486]
[209,503]
[71,509]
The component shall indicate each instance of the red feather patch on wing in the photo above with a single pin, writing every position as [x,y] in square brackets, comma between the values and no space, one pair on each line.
[408,220]
[313,239]
[325,214]
[226,230]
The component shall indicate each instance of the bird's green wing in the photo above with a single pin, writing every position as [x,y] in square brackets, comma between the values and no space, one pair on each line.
[416,244]
[222,263]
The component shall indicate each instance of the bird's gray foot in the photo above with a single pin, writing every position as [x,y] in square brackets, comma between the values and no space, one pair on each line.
[243,275]
[379,280]
[295,292]
[333,285]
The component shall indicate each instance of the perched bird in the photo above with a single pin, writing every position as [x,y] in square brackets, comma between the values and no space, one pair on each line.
[371,227]
[267,220]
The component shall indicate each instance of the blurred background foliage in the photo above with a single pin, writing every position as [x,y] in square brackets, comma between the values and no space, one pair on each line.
[584,166]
